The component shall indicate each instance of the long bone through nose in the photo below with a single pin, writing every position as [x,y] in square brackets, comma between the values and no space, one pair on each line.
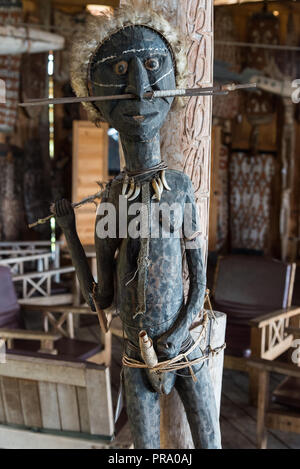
[138,81]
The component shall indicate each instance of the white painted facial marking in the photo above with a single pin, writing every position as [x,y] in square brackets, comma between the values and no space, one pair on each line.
[152,50]
[161,78]
[111,85]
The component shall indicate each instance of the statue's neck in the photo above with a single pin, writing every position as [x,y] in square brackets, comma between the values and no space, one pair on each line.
[141,155]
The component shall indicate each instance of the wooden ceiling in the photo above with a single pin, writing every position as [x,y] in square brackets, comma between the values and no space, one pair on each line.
[241,2]
[70,6]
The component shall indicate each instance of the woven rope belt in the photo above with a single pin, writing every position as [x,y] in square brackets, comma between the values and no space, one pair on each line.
[177,362]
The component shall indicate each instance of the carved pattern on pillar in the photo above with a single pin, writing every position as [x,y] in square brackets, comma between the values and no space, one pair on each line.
[185,144]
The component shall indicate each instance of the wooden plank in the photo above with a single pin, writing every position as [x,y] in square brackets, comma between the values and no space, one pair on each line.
[12,438]
[83,410]
[284,421]
[48,273]
[2,409]
[214,188]
[30,401]
[28,335]
[239,413]
[68,407]
[12,401]
[65,298]
[59,309]
[263,399]
[264,320]
[233,438]
[41,369]
[235,363]
[49,406]
[276,367]
[90,164]
[99,402]
[29,258]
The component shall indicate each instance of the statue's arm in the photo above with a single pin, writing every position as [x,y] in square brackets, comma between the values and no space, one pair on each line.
[105,253]
[170,343]
[106,245]
[65,218]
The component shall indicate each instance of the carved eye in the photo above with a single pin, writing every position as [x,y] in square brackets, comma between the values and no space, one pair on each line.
[121,67]
[152,64]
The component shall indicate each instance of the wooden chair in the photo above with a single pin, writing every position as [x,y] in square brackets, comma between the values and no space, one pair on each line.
[272,335]
[247,287]
[24,341]
[53,402]
[276,417]
[47,403]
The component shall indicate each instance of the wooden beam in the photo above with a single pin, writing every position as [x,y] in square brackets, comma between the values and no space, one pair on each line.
[275,366]
[82,3]
[41,369]
[284,421]
[28,335]
[264,320]
[263,397]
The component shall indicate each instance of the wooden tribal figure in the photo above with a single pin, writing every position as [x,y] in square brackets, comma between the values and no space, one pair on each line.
[140,268]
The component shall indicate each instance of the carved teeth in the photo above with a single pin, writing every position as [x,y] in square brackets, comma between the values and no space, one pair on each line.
[157,191]
[164,181]
[131,190]
[160,185]
[136,192]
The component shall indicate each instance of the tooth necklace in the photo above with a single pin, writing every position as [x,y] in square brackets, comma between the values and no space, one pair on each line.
[132,187]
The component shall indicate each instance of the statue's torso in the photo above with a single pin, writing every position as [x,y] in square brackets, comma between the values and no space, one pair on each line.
[164,288]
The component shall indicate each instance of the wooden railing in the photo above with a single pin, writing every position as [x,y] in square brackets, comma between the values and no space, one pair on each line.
[39,282]
[271,335]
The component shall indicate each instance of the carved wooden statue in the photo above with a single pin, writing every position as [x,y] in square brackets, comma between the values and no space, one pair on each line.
[140,259]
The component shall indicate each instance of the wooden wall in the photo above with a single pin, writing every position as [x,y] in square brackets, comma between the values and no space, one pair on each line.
[90,164]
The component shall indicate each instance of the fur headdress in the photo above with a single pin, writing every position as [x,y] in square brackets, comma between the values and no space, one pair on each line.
[100,28]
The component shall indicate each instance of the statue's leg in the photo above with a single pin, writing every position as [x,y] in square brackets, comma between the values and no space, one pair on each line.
[200,404]
[143,408]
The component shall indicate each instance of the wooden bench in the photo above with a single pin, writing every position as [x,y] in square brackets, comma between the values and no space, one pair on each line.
[17,263]
[48,403]
[40,282]
[276,418]
[46,339]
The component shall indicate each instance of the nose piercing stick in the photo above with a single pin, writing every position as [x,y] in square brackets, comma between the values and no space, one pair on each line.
[208,91]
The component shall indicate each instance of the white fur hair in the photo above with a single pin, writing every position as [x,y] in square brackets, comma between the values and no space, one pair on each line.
[100,28]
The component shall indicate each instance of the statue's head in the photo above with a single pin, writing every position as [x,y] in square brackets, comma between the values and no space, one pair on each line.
[131,52]
[134,60]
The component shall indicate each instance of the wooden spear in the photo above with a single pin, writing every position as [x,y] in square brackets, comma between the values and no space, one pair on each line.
[86,200]
[208,91]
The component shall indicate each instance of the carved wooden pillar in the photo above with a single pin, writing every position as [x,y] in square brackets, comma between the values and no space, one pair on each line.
[186,140]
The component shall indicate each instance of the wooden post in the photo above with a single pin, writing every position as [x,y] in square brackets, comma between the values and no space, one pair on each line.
[186,145]
[263,396]
[256,351]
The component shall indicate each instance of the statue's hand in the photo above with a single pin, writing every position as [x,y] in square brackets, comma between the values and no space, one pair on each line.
[65,216]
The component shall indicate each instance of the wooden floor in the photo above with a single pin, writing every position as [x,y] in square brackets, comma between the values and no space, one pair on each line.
[238,418]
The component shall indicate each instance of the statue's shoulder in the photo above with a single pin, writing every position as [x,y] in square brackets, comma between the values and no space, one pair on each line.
[182,180]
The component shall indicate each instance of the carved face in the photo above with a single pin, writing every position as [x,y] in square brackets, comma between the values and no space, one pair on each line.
[134,60]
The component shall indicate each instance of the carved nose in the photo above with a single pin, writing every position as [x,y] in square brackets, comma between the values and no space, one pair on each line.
[138,81]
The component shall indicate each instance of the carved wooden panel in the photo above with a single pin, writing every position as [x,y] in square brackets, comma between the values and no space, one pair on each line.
[250,200]
[10,70]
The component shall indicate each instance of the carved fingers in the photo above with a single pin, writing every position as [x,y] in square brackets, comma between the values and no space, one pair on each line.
[64,213]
